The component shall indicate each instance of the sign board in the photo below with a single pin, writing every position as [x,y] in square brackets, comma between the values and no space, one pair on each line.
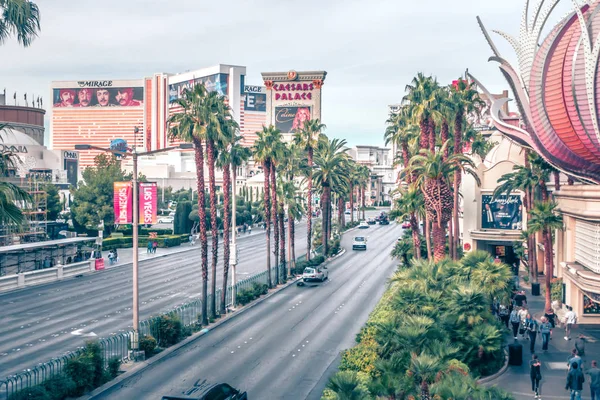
[123,204]
[148,203]
[503,212]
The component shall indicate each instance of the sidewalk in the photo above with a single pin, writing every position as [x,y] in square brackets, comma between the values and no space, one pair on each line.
[126,255]
[554,363]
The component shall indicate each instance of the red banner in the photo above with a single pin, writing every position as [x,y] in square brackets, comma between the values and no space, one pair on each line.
[122,203]
[148,203]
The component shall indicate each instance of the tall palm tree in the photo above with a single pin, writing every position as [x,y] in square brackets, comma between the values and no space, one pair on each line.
[20,18]
[190,125]
[420,101]
[432,174]
[308,138]
[330,171]
[410,206]
[278,152]
[295,209]
[364,176]
[546,219]
[262,153]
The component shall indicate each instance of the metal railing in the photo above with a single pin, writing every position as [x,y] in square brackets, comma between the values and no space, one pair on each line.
[119,346]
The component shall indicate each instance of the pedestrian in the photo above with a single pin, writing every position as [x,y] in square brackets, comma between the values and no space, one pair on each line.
[535,373]
[573,359]
[111,257]
[546,331]
[515,321]
[575,381]
[570,321]
[504,315]
[594,374]
[154,246]
[551,317]
[149,249]
[191,239]
[531,326]
[249,229]
[521,299]
[523,316]
[580,345]
[116,255]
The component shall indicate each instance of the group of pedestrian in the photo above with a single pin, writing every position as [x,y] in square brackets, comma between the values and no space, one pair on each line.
[113,256]
[152,246]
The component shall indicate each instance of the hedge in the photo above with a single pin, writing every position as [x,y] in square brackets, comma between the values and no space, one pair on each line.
[127,242]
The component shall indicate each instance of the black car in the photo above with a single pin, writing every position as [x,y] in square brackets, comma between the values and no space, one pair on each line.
[220,391]
[384,221]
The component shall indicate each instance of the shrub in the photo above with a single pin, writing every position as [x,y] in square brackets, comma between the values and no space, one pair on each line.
[59,386]
[245,296]
[81,371]
[32,393]
[114,364]
[170,329]
[148,345]
[318,260]
[259,289]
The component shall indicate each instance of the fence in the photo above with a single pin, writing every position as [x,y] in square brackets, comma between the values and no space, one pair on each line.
[119,346]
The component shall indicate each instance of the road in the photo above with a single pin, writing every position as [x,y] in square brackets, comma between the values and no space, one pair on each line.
[37,321]
[286,346]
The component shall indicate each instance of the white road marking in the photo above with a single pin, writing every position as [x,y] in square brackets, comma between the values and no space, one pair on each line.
[557,365]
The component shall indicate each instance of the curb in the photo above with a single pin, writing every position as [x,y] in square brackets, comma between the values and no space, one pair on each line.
[490,378]
[145,364]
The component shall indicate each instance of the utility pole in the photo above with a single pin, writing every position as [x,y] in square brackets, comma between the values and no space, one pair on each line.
[233,252]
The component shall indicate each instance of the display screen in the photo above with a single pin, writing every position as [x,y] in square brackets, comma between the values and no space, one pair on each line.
[502,212]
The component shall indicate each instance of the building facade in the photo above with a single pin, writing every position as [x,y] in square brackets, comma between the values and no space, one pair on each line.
[383,176]
[29,120]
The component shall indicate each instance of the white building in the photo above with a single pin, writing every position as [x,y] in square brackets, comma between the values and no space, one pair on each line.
[383,177]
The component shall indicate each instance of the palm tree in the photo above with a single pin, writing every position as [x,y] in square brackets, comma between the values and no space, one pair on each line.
[364,176]
[20,18]
[420,100]
[346,386]
[432,173]
[308,138]
[295,209]
[278,152]
[191,125]
[545,219]
[330,161]
[409,206]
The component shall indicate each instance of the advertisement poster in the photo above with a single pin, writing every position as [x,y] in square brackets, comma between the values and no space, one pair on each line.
[503,212]
[291,119]
[213,83]
[255,102]
[98,97]
[123,205]
[71,168]
[148,203]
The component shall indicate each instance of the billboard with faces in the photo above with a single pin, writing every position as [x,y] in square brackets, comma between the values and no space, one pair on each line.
[98,97]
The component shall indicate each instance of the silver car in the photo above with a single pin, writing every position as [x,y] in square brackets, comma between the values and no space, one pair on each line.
[315,274]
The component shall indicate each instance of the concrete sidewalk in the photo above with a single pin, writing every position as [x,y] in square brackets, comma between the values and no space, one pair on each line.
[554,363]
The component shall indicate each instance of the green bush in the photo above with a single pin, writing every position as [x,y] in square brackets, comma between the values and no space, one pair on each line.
[114,364]
[81,371]
[259,289]
[245,296]
[59,386]
[170,329]
[316,261]
[148,345]
[32,393]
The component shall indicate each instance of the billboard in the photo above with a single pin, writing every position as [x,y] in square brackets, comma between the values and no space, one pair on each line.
[255,98]
[122,203]
[107,96]
[213,83]
[502,212]
[291,119]
[148,203]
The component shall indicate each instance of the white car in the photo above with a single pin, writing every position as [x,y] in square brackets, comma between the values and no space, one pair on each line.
[165,220]
[363,225]
[359,243]
[315,274]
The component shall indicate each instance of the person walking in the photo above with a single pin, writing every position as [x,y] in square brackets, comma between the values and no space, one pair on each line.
[149,247]
[551,317]
[515,321]
[154,246]
[573,359]
[546,331]
[523,316]
[504,316]
[535,373]
[594,374]
[575,380]
[570,320]
[531,326]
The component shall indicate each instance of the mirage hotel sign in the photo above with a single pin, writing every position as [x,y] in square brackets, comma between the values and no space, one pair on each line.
[98,84]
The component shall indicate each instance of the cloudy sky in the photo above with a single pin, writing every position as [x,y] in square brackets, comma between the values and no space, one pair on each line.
[370,49]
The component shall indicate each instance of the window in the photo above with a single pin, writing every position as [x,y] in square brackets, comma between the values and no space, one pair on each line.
[587,244]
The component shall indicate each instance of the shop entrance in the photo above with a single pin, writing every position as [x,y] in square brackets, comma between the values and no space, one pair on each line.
[505,253]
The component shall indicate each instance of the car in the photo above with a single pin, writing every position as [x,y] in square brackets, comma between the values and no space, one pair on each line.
[347,212]
[363,225]
[165,220]
[359,243]
[219,391]
[315,274]
[406,225]
[384,221]
[371,221]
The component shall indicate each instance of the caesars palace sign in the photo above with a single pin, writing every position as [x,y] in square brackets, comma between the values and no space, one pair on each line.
[293,91]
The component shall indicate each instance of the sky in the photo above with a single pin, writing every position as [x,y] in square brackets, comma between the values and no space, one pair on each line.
[370,49]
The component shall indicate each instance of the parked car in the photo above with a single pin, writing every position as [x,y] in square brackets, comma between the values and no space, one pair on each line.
[165,220]
[371,221]
[359,243]
[363,225]
[347,212]
[219,391]
[315,274]
[406,225]
[384,221]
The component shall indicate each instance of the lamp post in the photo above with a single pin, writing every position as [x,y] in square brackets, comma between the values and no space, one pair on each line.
[135,154]
[233,252]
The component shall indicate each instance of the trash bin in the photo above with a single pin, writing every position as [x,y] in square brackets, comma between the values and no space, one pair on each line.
[515,354]
[535,289]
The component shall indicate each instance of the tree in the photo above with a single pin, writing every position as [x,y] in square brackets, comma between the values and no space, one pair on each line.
[93,198]
[53,203]
[278,152]
[182,223]
[546,219]
[308,138]
[346,386]
[410,206]
[20,18]
[190,125]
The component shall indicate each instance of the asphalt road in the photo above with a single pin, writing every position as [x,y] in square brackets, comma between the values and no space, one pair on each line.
[286,346]
[37,321]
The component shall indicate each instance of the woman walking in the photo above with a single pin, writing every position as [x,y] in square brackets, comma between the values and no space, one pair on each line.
[546,331]
[535,373]
[531,326]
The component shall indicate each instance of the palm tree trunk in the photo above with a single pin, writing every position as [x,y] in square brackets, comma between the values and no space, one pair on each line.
[282,258]
[199,158]
[267,204]
[424,138]
[556,181]
[406,160]
[431,134]
[363,202]
[341,221]
[325,206]
[291,259]
[292,227]
[444,137]
[439,241]
[210,152]
[428,237]
[458,149]
[351,204]
[455,222]
[549,259]
[275,216]
[226,226]
[451,248]
[531,242]
[414,226]
[309,205]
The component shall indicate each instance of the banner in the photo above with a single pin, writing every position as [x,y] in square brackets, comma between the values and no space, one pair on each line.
[122,203]
[98,97]
[213,83]
[503,212]
[291,119]
[148,203]
[255,102]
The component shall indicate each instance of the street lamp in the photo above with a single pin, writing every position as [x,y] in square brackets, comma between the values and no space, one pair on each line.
[135,154]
